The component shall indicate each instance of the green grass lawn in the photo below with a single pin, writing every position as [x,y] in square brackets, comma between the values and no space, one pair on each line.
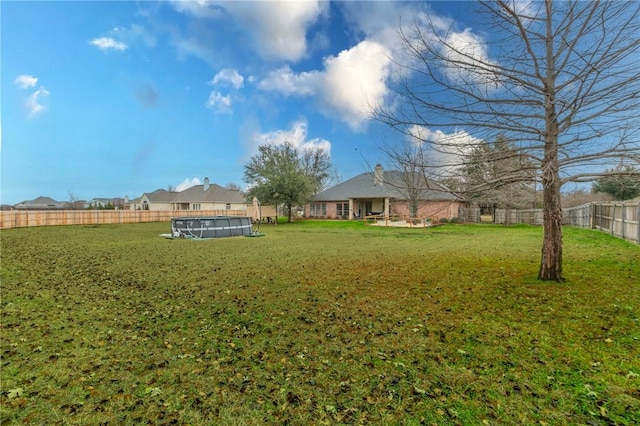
[317,323]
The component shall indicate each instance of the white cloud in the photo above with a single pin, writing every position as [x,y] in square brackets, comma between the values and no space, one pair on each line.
[446,149]
[228,76]
[278,29]
[380,22]
[296,135]
[108,43]
[355,82]
[219,103]
[188,183]
[468,60]
[198,8]
[33,102]
[351,83]
[285,81]
[26,81]
[349,86]
[529,9]
[385,22]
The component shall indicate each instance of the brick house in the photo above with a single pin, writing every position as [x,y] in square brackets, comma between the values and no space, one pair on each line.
[382,193]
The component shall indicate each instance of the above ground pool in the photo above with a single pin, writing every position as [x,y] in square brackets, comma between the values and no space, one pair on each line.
[210,227]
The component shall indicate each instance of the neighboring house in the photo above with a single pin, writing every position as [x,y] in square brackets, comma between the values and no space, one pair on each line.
[101,203]
[76,205]
[199,197]
[159,199]
[40,203]
[381,193]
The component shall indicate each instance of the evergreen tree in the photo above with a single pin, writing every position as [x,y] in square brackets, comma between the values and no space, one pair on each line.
[623,183]
[283,175]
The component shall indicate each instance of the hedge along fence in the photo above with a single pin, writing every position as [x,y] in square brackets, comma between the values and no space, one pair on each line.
[27,218]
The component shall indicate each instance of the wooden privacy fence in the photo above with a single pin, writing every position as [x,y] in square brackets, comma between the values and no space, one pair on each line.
[397,220]
[503,216]
[513,217]
[621,219]
[26,218]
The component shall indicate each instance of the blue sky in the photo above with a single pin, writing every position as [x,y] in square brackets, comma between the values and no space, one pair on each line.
[107,99]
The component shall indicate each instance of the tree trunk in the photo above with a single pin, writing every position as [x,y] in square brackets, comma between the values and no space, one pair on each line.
[551,263]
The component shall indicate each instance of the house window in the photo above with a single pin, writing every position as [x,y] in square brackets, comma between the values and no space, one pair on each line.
[342,209]
[228,207]
[196,206]
[318,209]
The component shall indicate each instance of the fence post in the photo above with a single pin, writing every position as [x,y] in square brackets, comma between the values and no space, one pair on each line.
[600,216]
[638,222]
[624,216]
[613,216]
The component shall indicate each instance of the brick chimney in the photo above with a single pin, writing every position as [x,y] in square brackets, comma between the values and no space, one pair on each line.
[206,184]
[378,175]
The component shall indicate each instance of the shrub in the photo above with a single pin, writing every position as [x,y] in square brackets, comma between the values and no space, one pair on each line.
[444,220]
[454,220]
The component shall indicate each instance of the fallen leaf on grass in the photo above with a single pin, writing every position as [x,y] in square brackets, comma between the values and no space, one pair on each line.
[603,411]
[153,391]
[14,393]
[419,391]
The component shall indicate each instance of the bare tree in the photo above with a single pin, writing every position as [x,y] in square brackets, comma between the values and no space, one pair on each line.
[233,186]
[411,163]
[558,79]
[74,202]
[581,196]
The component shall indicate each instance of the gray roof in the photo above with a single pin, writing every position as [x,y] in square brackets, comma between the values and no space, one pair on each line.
[215,194]
[364,186]
[41,200]
[40,203]
[197,194]
[109,200]
[161,195]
